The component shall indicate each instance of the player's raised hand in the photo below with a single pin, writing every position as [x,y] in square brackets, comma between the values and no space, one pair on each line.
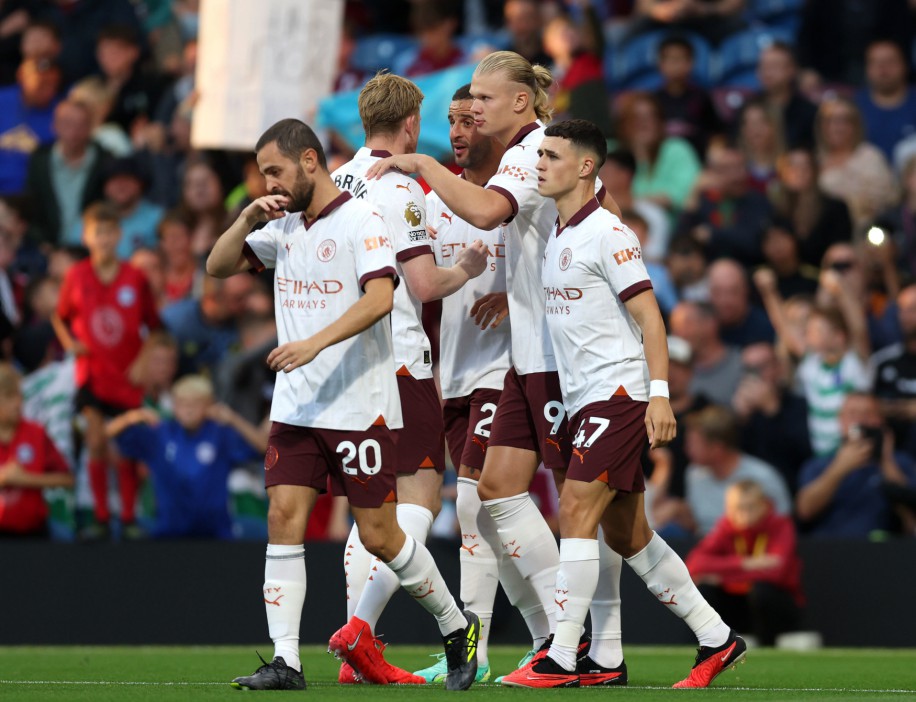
[266,208]
[660,423]
[473,258]
[490,310]
[292,355]
[406,163]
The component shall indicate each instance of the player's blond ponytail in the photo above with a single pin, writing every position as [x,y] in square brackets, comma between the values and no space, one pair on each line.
[517,69]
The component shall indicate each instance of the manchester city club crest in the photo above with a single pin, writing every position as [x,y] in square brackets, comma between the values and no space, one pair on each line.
[565,259]
[326,250]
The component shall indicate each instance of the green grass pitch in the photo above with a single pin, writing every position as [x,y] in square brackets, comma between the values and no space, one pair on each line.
[202,673]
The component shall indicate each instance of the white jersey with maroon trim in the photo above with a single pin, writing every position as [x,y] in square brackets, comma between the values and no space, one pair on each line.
[591,267]
[401,201]
[469,357]
[526,234]
[320,273]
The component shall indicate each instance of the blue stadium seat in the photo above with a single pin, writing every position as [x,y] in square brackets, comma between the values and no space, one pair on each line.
[379,51]
[472,43]
[773,11]
[739,53]
[634,65]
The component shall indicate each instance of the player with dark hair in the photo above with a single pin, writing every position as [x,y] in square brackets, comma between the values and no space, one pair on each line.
[333,288]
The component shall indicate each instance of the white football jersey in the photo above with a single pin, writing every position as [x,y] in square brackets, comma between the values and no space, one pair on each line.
[402,203]
[591,267]
[320,273]
[526,236]
[469,357]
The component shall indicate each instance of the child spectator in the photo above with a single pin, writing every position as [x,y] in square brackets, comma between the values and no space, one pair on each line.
[190,458]
[664,289]
[104,305]
[29,462]
[155,370]
[747,566]
[182,274]
[689,112]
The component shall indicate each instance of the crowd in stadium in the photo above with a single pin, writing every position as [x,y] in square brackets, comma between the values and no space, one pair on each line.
[764,151]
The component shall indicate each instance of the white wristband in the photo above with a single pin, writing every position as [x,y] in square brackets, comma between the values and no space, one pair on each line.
[658,388]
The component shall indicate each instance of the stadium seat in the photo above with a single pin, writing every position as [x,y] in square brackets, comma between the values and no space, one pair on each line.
[738,56]
[382,51]
[779,14]
[634,64]
[472,43]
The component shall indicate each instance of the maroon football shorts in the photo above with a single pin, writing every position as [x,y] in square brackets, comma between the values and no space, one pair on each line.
[360,464]
[421,443]
[467,426]
[531,416]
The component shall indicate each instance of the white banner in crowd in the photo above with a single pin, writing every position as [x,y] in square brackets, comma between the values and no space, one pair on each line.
[260,61]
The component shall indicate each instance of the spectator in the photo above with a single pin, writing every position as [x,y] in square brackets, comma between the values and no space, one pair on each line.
[666,167]
[182,274]
[617,175]
[817,219]
[726,216]
[833,38]
[202,198]
[207,328]
[16,226]
[852,170]
[780,252]
[713,444]
[435,24]
[740,322]
[688,109]
[578,72]
[29,462]
[66,176]
[136,92]
[35,345]
[154,371]
[150,263]
[190,458]
[662,286]
[713,19]
[242,378]
[716,367]
[41,41]
[26,119]
[894,376]
[98,97]
[525,22]
[887,104]
[103,308]
[250,189]
[761,140]
[842,494]
[124,187]
[767,410]
[15,18]
[901,219]
[670,462]
[348,77]
[686,264]
[778,75]
[748,568]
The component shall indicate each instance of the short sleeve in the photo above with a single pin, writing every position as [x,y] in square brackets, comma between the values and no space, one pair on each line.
[621,262]
[517,180]
[405,215]
[150,313]
[261,245]
[373,249]
[137,442]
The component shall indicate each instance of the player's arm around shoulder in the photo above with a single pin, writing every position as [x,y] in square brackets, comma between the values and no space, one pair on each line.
[227,256]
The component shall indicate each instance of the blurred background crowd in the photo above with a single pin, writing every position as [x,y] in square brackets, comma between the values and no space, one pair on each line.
[763,150]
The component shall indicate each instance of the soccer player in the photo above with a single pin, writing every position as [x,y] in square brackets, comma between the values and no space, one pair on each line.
[389,107]
[335,403]
[612,355]
[103,308]
[473,361]
[511,105]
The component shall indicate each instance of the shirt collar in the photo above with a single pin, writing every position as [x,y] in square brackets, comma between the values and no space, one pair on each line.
[328,209]
[586,209]
[521,134]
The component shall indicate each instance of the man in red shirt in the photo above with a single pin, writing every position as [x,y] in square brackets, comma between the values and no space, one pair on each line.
[103,307]
[29,462]
[747,567]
